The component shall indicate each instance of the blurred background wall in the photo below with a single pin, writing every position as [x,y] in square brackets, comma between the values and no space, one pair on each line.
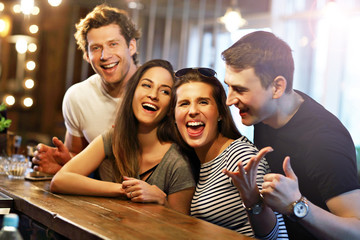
[324,36]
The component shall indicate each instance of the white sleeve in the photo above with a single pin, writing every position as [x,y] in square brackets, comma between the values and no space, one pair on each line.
[72,112]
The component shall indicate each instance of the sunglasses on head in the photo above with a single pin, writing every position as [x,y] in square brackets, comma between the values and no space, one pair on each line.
[207,72]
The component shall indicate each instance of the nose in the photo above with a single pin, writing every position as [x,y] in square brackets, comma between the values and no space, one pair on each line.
[153,94]
[105,54]
[231,99]
[193,110]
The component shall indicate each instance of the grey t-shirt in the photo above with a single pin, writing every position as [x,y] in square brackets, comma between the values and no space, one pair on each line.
[173,173]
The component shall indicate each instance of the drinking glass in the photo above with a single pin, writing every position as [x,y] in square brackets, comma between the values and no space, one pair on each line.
[16,167]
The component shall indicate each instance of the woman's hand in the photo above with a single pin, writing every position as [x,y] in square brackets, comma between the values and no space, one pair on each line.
[245,178]
[140,191]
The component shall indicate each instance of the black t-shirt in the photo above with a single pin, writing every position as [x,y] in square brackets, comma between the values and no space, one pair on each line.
[321,151]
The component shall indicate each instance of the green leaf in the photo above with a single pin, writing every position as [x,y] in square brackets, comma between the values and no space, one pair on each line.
[4,123]
[2,107]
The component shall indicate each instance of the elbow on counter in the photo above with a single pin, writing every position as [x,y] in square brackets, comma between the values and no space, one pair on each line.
[56,183]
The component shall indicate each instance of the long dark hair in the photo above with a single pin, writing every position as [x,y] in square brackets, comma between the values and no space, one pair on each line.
[226,126]
[125,142]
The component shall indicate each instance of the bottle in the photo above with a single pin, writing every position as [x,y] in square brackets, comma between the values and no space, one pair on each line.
[10,230]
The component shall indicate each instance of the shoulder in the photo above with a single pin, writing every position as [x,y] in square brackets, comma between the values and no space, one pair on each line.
[242,150]
[92,82]
[242,146]
[174,157]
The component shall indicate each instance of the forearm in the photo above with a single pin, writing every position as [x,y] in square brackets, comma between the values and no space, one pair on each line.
[263,223]
[73,183]
[319,221]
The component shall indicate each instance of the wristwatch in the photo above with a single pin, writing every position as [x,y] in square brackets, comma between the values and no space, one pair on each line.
[256,208]
[299,209]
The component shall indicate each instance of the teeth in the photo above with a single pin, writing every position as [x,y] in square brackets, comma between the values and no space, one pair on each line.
[195,124]
[148,105]
[109,65]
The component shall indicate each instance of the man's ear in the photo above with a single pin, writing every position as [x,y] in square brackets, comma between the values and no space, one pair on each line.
[86,57]
[132,46]
[279,86]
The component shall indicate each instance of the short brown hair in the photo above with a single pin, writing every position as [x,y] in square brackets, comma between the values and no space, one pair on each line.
[103,15]
[267,54]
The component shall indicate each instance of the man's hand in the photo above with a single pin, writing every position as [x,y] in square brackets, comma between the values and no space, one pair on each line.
[280,191]
[50,159]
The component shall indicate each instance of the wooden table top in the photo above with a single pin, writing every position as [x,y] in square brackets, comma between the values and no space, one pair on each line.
[83,217]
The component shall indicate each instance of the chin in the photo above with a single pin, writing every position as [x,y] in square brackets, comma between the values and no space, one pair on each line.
[248,122]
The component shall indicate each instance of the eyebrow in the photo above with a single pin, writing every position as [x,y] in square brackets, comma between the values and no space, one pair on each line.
[203,98]
[237,86]
[149,80]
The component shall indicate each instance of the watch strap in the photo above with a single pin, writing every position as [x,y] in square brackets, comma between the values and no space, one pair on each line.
[304,202]
[256,208]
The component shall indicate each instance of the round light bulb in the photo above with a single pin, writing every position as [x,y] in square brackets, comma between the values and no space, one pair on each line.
[28,102]
[21,46]
[10,100]
[17,8]
[54,3]
[27,6]
[35,11]
[34,29]
[29,83]
[30,65]
[32,47]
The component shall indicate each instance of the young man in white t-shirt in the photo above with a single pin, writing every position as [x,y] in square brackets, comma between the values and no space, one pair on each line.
[108,39]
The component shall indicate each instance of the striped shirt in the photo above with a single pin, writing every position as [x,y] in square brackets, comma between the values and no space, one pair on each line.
[218,201]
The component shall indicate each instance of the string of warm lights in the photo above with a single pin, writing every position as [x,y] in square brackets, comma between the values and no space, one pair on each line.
[25,46]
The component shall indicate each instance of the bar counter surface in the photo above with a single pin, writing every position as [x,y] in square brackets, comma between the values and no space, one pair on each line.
[83,217]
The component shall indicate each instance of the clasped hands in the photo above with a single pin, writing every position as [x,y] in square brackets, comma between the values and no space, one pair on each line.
[140,191]
[278,191]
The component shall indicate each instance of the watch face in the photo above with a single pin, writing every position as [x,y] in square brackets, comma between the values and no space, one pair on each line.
[300,209]
[256,209]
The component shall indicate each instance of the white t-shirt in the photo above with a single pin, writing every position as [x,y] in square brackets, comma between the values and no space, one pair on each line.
[88,109]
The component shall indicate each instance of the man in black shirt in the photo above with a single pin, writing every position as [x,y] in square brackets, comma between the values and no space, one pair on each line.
[320,195]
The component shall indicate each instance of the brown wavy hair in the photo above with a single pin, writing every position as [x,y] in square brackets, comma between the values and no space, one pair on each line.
[125,143]
[103,15]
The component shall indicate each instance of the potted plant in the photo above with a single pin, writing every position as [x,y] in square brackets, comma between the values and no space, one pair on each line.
[4,123]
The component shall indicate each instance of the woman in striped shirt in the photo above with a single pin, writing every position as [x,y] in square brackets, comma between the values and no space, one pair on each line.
[231,168]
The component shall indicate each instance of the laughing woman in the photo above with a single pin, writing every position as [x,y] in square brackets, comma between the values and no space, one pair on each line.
[137,158]
[231,168]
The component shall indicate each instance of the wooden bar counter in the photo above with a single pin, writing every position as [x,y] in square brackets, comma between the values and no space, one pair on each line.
[83,217]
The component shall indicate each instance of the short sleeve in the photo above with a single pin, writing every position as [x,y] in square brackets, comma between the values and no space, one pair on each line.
[71,113]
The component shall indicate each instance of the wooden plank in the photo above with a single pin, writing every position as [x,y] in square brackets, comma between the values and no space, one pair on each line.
[84,217]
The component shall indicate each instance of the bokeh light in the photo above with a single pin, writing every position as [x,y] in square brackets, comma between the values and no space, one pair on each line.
[54,3]
[34,29]
[21,46]
[10,100]
[30,65]
[29,83]
[17,8]
[28,102]
[32,47]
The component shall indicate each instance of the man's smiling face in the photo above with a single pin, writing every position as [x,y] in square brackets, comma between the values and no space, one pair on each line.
[249,96]
[109,54]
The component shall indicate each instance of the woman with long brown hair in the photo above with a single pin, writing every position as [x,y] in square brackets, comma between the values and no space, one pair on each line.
[137,157]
